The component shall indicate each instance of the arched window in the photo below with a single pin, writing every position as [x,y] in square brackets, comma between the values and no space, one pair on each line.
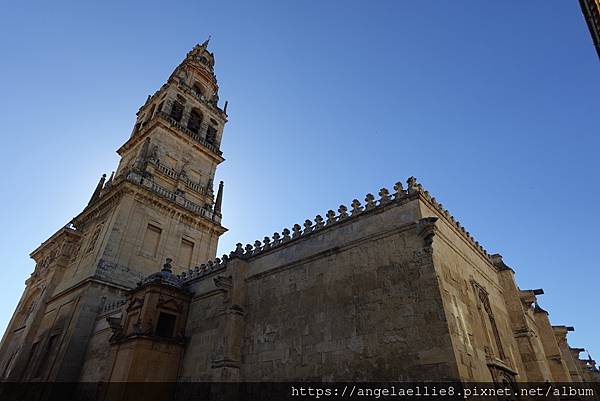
[177,111]
[199,89]
[194,121]
[211,135]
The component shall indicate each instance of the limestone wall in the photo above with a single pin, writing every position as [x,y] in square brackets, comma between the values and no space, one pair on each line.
[467,274]
[355,301]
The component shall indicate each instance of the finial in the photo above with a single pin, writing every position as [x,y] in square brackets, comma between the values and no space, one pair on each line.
[413,186]
[385,196]
[238,249]
[370,202]
[167,265]
[399,190]
[297,231]
[330,217]
[307,226]
[286,235]
[356,207]
[98,189]
[219,199]
[108,184]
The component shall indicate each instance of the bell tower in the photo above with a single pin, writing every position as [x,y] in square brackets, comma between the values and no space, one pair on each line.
[158,204]
[173,153]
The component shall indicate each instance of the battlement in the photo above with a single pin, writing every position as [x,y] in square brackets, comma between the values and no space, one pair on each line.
[400,195]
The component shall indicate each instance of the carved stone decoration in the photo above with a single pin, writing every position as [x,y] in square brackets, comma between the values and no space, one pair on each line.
[370,202]
[224,282]
[307,226]
[257,247]
[385,196]
[276,239]
[343,210]
[426,229]
[489,321]
[297,231]
[330,217]
[399,190]
[238,249]
[286,235]
[319,221]
[412,185]
[356,207]
[267,243]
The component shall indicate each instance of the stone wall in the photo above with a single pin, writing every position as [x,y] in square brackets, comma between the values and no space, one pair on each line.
[354,301]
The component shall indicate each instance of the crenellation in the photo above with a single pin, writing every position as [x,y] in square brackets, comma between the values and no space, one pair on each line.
[319,223]
[276,239]
[297,231]
[356,207]
[266,243]
[384,195]
[370,202]
[307,227]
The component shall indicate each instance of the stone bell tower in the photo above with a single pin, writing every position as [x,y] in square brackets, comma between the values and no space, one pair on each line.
[158,204]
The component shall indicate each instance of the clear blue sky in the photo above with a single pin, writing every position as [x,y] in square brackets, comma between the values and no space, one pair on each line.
[492,105]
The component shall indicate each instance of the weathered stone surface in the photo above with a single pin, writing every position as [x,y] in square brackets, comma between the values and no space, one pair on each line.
[393,289]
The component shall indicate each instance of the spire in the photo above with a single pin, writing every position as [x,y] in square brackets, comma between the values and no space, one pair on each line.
[109,181]
[98,189]
[219,199]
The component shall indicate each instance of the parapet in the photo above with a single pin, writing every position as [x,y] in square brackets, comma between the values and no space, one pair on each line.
[331,218]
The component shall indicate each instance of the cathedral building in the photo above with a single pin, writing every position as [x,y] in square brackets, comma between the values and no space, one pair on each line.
[389,288]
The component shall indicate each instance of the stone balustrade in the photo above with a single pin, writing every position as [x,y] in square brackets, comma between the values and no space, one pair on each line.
[168,171]
[181,128]
[171,195]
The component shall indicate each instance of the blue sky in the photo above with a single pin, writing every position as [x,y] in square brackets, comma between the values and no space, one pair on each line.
[492,105]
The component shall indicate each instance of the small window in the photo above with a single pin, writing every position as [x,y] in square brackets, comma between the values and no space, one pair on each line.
[165,326]
[151,240]
[177,111]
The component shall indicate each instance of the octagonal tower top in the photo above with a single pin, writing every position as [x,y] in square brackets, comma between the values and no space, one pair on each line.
[197,71]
